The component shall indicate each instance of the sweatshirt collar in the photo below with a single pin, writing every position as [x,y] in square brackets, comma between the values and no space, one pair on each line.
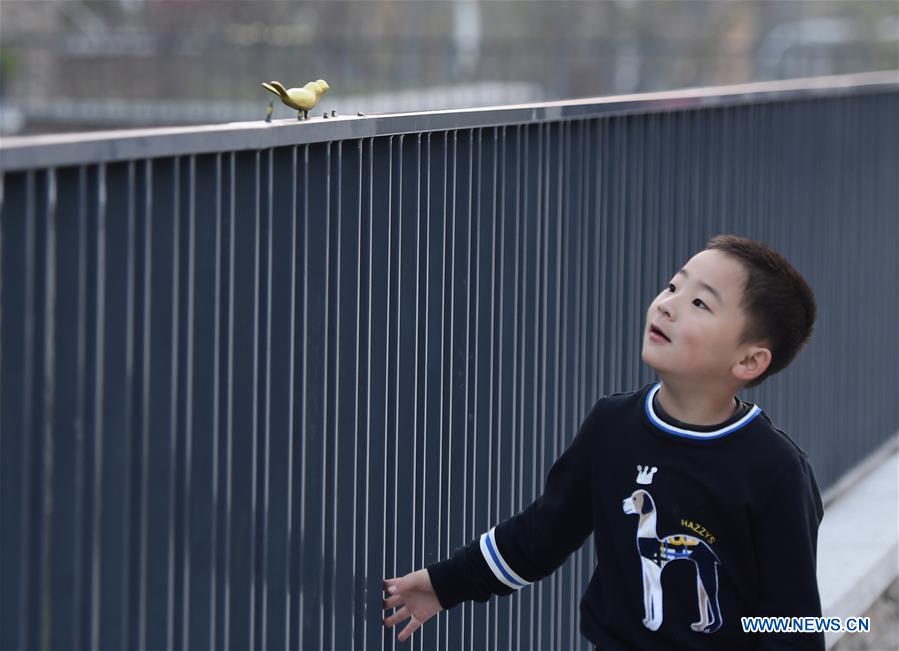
[685,430]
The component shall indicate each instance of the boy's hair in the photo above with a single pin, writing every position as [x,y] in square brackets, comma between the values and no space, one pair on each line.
[778,303]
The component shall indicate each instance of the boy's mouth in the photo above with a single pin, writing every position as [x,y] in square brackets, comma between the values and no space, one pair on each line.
[655,331]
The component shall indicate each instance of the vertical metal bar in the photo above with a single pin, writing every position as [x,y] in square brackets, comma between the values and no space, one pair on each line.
[115,342]
[26,586]
[325,273]
[276,425]
[354,169]
[68,387]
[329,431]
[100,293]
[454,634]
[569,583]
[502,609]
[407,403]
[418,551]
[143,322]
[560,385]
[174,391]
[443,515]
[155,399]
[161,357]
[392,376]
[16,345]
[242,483]
[480,500]
[185,567]
[90,210]
[432,501]
[344,377]
[290,399]
[597,145]
[542,426]
[182,328]
[80,548]
[42,511]
[509,211]
[617,223]
[224,568]
[588,391]
[358,586]
[36,325]
[253,409]
[638,218]
[219,214]
[314,576]
[199,544]
[5,551]
[555,216]
[367,172]
[527,375]
[290,165]
[262,440]
[427,508]
[577,361]
[494,486]
[654,280]
[467,458]
[302,550]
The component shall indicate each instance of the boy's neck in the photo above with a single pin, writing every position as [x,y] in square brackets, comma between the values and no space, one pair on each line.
[697,407]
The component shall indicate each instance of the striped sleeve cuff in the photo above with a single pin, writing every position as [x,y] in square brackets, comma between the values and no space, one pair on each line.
[498,565]
[474,572]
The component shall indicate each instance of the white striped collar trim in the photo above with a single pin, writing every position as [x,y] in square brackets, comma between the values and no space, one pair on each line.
[498,564]
[692,434]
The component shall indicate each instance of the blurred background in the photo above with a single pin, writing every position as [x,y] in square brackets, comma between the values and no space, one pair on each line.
[69,65]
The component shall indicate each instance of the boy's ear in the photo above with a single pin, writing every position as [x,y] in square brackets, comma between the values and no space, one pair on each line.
[754,363]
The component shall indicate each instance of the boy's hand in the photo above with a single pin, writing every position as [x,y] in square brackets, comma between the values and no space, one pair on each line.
[414,595]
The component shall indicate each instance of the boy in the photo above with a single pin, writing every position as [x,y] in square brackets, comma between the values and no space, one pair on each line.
[680,470]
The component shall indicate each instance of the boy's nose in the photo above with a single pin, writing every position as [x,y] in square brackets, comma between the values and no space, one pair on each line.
[665,307]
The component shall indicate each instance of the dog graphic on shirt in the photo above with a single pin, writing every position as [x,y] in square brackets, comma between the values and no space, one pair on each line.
[656,553]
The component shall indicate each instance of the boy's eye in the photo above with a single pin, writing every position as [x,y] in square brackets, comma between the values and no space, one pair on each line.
[671,285]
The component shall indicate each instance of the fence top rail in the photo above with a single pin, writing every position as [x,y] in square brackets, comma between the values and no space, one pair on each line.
[59,150]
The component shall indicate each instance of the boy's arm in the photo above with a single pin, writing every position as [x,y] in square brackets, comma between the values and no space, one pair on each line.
[786,543]
[532,544]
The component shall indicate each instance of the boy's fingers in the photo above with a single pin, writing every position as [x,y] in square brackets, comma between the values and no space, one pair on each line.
[407,632]
[392,602]
[397,617]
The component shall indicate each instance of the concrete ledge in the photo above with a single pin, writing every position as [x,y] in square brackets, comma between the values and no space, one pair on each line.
[858,542]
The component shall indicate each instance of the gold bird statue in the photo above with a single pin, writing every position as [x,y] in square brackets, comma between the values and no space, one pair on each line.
[302,100]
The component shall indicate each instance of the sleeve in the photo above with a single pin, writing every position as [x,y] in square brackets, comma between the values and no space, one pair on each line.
[531,544]
[786,543]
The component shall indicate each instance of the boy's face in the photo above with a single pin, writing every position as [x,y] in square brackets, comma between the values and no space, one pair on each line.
[703,325]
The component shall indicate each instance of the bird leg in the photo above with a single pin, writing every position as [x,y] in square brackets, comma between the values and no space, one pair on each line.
[271,107]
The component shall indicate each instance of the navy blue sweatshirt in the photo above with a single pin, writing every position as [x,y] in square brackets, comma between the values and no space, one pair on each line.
[693,528]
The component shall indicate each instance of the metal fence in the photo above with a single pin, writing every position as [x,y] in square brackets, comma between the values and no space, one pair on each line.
[247,371]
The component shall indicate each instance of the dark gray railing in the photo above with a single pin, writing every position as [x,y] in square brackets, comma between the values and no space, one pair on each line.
[247,371]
